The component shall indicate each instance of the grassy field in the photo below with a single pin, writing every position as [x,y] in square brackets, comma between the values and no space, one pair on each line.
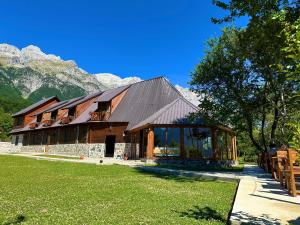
[45,192]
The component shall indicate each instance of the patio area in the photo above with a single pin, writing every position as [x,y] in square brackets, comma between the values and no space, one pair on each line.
[262,200]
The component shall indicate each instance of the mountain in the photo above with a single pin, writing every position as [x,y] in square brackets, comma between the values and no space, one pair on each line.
[37,75]
[112,81]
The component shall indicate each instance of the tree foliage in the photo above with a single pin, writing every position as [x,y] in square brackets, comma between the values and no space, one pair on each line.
[247,76]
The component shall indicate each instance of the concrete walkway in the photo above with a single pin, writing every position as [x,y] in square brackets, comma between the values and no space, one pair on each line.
[261,200]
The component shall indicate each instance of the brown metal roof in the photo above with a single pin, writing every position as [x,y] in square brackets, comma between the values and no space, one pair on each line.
[173,113]
[144,99]
[110,94]
[64,104]
[84,99]
[85,115]
[34,106]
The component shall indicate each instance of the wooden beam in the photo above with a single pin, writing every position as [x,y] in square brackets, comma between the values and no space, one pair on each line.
[214,144]
[182,149]
[150,143]
[77,134]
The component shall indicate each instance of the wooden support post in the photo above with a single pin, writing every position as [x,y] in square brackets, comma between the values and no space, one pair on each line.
[235,148]
[150,143]
[182,149]
[58,135]
[214,144]
[77,134]
[232,148]
[88,134]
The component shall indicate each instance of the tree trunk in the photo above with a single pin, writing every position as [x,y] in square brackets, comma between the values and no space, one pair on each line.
[274,125]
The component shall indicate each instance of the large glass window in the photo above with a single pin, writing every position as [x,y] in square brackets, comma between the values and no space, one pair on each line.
[173,142]
[83,130]
[166,142]
[197,143]
[224,144]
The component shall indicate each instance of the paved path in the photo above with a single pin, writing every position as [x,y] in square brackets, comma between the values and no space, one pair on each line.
[261,200]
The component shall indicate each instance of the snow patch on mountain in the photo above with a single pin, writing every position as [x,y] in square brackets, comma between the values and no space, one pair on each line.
[113,81]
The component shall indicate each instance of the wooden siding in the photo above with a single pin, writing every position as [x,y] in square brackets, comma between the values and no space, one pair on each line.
[83,106]
[99,131]
[116,100]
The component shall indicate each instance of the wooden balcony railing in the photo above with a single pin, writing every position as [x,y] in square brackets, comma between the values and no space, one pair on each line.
[48,123]
[99,116]
[33,125]
[66,119]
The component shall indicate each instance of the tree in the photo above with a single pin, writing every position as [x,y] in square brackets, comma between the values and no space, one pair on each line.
[240,74]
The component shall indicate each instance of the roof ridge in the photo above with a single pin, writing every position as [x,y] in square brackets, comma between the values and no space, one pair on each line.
[191,104]
[154,78]
[172,86]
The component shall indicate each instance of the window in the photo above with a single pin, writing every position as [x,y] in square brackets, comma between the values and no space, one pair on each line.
[25,139]
[83,130]
[224,144]
[166,142]
[104,106]
[19,121]
[39,118]
[45,138]
[197,143]
[54,115]
[72,111]
[67,135]
[53,136]
[17,140]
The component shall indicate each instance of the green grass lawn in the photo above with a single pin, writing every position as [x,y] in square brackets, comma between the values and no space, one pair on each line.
[58,156]
[46,192]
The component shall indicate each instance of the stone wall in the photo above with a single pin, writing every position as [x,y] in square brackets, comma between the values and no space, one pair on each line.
[6,147]
[88,150]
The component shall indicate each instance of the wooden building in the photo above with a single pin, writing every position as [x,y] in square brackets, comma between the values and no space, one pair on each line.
[148,119]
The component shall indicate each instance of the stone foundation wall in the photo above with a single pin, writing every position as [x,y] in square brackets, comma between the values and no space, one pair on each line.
[6,147]
[88,150]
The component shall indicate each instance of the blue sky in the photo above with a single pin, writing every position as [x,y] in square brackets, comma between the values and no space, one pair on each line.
[128,38]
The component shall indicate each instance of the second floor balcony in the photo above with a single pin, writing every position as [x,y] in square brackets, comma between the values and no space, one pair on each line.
[66,119]
[99,116]
[33,125]
[48,123]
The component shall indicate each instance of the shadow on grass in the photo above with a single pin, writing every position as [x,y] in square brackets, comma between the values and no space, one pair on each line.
[19,219]
[175,176]
[205,213]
